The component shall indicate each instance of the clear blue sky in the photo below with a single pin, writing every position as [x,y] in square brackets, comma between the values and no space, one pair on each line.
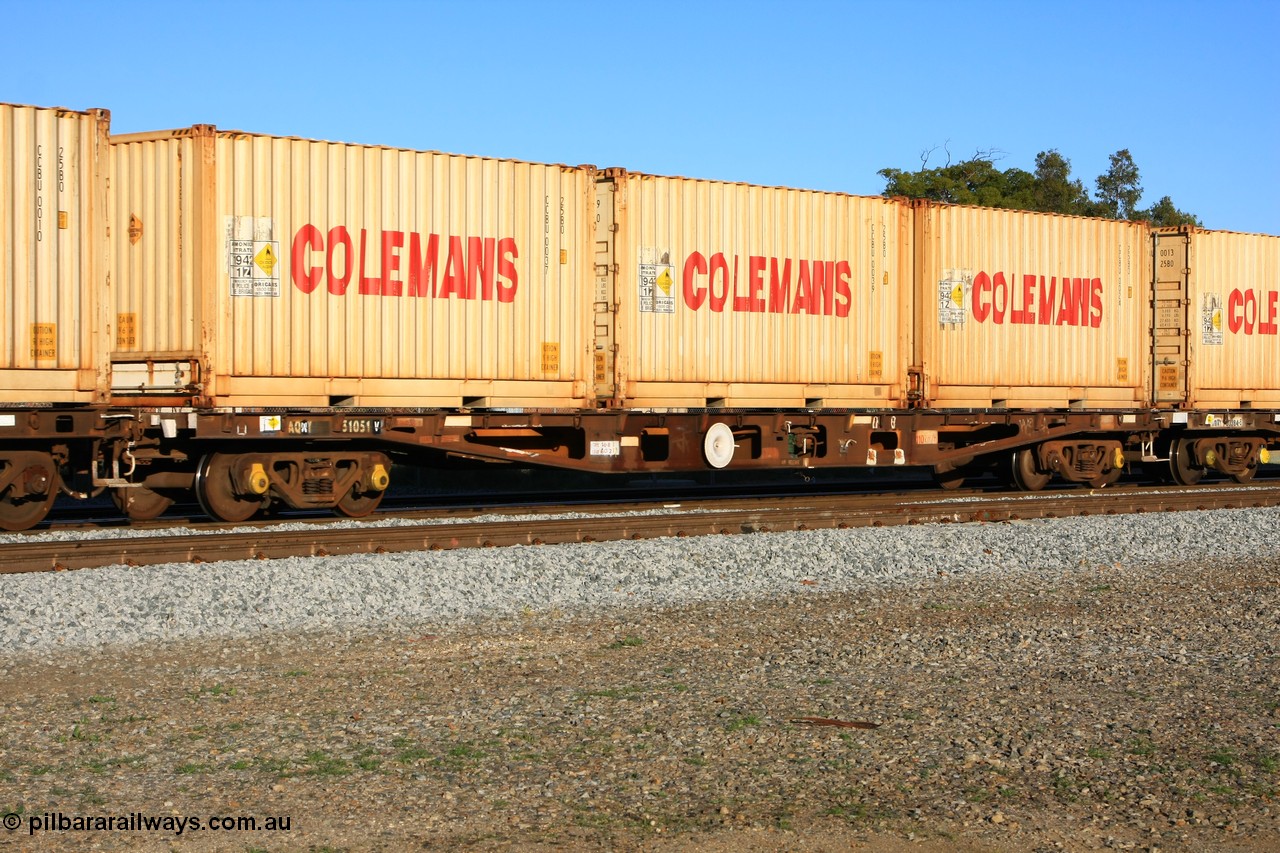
[816,95]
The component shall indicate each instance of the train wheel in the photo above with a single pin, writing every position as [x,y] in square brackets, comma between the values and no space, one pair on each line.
[28,499]
[1182,467]
[215,489]
[949,480]
[358,504]
[1023,472]
[140,504]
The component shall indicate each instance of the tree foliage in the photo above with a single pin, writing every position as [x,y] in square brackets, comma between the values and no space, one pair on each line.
[1049,189]
[1120,187]
[1164,213]
[1054,190]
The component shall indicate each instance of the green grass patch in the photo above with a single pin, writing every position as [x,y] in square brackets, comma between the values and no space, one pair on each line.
[217,690]
[323,764]
[1223,757]
[1142,746]
[412,754]
[849,811]
[609,693]
[274,766]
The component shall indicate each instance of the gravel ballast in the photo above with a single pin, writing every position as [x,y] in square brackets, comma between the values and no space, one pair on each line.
[124,605]
[1075,684]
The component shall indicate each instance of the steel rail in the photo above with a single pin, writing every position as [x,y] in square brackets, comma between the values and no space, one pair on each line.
[607,524]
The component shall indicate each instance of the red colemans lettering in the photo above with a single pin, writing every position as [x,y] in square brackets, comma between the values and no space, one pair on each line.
[408,264]
[1037,300]
[766,285]
[1252,312]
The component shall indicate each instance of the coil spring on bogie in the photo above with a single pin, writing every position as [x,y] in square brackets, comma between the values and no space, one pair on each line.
[1088,465]
[317,487]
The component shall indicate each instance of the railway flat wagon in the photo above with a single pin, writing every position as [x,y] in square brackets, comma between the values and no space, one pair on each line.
[254,270]
[1031,310]
[734,295]
[53,229]
[1040,317]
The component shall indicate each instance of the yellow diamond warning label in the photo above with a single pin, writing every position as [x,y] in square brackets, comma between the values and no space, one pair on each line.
[664,280]
[253,257]
[266,259]
[951,291]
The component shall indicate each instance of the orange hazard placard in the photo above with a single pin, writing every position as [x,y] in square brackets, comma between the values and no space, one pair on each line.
[44,341]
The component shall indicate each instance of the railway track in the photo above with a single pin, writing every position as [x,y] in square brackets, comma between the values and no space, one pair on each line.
[612,522]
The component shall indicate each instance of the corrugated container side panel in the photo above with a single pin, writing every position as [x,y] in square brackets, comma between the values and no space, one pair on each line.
[52,227]
[402,349]
[1002,308]
[1235,303]
[11,175]
[20,272]
[329,355]
[356,291]
[154,295]
[704,236]
[62,303]
[20,233]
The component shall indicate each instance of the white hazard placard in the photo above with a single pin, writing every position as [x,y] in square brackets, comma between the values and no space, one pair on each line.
[253,257]
[656,278]
[1211,320]
[951,296]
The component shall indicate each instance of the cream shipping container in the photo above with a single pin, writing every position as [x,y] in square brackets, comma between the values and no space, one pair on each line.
[1217,328]
[1016,309]
[53,229]
[713,294]
[269,271]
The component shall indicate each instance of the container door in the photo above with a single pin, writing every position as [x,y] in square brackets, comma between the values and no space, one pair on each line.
[165,263]
[1171,332]
[604,307]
